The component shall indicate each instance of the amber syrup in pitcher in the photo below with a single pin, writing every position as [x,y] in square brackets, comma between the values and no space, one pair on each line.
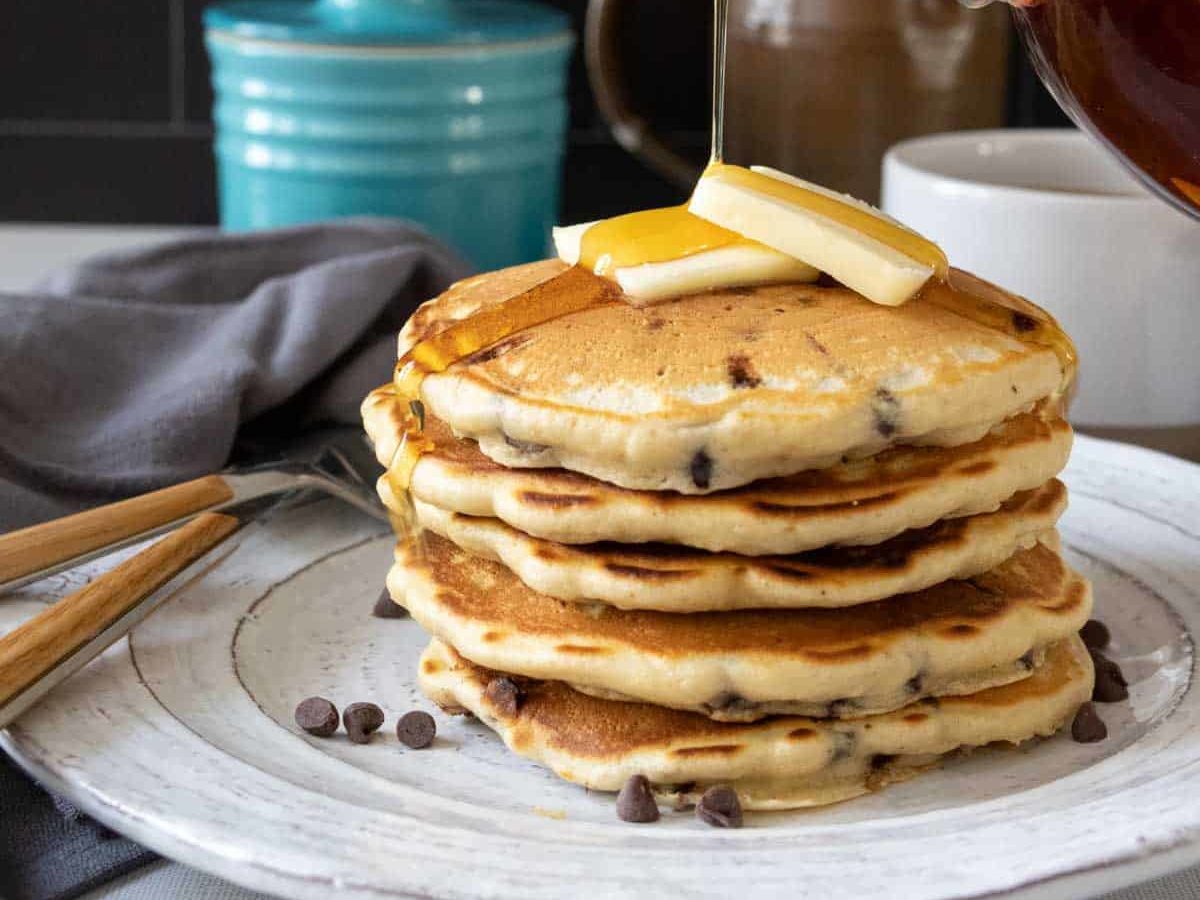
[1130,71]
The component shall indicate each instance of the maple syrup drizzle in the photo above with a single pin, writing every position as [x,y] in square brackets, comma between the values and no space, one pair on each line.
[986,305]
[570,291]
[651,236]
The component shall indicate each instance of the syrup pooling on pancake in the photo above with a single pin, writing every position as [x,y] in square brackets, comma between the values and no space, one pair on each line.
[649,236]
[987,305]
[560,295]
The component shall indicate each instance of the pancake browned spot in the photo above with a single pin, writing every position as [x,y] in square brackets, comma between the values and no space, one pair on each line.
[793,511]
[839,654]
[558,501]
[977,468]
[648,574]
[962,629]
[582,649]
[1076,595]
[709,750]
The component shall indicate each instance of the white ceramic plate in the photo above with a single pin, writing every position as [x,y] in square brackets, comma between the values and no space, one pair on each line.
[182,738]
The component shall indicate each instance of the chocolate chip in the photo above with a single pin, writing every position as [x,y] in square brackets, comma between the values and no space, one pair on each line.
[387,608]
[636,803]
[741,371]
[701,469]
[487,354]
[838,709]
[361,721]
[729,703]
[886,409]
[1023,322]
[814,343]
[317,716]
[1026,661]
[417,408]
[416,729]
[504,694]
[844,743]
[1111,686]
[529,448]
[1088,727]
[915,684]
[720,807]
[1095,634]
[881,760]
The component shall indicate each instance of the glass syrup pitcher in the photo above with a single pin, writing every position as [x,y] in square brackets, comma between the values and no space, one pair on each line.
[1128,72]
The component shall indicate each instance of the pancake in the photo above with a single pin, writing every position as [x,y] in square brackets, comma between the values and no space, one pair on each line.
[671,578]
[957,637]
[725,387]
[777,763]
[859,502]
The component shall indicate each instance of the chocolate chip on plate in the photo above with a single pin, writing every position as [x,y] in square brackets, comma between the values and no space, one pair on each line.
[720,807]
[416,729]
[317,716]
[361,721]
[636,803]
[1088,727]
[504,694]
[1095,634]
[387,608]
[1111,686]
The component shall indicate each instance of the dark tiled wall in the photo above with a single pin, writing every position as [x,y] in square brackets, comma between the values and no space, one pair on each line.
[104,111]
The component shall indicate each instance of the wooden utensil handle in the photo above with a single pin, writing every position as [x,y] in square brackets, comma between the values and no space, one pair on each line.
[39,645]
[41,546]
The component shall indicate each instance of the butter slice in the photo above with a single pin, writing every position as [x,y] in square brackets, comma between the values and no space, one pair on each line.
[875,268]
[741,264]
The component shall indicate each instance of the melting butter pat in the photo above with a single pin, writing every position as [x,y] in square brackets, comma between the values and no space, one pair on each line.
[850,240]
[662,253]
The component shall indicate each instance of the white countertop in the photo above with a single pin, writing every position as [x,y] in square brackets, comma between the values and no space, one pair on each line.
[29,251]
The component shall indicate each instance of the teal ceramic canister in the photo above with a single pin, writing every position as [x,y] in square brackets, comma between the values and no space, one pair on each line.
[449,113]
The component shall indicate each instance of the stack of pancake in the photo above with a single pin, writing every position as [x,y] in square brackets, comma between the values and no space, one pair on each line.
[779,538]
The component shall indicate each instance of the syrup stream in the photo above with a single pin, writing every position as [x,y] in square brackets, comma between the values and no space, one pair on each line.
[720,33]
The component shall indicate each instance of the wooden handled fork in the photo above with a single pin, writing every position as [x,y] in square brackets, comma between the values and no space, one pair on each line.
[64,637]
[203,514]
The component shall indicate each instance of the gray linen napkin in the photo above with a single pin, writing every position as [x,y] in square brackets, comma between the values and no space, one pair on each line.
[139,369]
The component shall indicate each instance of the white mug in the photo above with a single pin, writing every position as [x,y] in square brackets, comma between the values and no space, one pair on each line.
[1047,214]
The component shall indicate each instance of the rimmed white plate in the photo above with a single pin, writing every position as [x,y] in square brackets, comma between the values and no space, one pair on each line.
[182,739]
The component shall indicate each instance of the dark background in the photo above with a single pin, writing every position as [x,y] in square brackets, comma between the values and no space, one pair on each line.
[104,111]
